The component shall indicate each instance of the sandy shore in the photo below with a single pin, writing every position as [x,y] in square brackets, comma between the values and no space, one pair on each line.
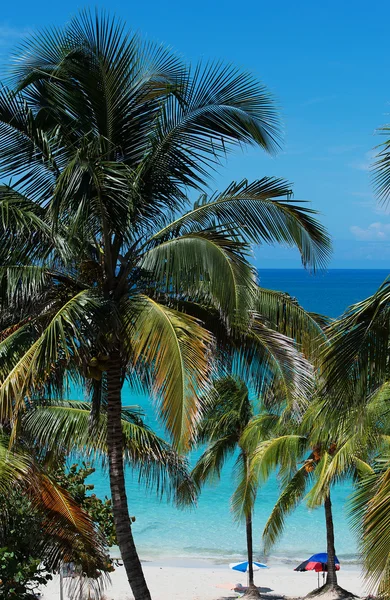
[199,580]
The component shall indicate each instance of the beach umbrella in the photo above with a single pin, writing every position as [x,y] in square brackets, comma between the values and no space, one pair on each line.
[243,566]
[318,563]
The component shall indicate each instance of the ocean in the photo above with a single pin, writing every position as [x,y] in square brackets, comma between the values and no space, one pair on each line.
[208,531]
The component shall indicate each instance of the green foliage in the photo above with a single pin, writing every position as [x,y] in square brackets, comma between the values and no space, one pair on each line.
[370,513]
[26,545]
[20,566]
[73,480]
[105,139]
[19,575]
[63,427]
[103,155]
[357,369]
[228,414]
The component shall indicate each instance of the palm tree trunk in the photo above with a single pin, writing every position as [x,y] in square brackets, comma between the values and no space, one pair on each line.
[124,534]
[252,591]
[249,544]
[331,578]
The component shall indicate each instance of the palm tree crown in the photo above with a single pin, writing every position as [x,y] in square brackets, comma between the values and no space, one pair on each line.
[104,262]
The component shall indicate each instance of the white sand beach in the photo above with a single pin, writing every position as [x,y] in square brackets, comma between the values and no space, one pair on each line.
[200,580]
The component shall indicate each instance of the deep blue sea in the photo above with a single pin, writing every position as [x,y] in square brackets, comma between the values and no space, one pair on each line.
[208,531]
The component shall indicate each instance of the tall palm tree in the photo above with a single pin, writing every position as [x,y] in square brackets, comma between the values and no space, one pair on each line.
[104,264]
[311,459]
[228,413]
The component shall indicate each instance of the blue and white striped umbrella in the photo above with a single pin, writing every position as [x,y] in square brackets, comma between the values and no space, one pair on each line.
[243,566]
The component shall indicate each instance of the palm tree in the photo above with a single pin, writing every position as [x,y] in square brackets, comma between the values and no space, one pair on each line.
[356,366]
[311,460]
[228,412]
[105,268]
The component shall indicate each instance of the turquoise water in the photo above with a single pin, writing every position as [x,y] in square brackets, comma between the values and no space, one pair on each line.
[208,531]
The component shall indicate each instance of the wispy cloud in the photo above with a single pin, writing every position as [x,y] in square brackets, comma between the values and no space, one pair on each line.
[364,164]
[376,232]
[343,148]
[368,201]
[318,100]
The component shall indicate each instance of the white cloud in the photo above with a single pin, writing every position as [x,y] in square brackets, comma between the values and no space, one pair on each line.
[378,232]
[365,163]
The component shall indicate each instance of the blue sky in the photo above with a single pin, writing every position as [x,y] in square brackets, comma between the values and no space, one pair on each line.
[327,64]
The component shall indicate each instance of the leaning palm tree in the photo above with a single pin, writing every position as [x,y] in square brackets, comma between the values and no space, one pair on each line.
[105,267]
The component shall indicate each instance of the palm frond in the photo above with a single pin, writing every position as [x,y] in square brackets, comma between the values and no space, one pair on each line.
[60,340]
[245,492]
[175,349]
[211,109]
[70,529]
[272,364]
[211,268]
[20,283]
[381,168]
[64,427]
[254,212]
[370,514]
[25,149]
[320,490]
[358,354]
[284,450]
[290,319]
[209,466]
[227,410]
[290,497]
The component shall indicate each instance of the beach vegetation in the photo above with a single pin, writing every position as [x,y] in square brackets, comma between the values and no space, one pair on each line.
[109,272]
[226,424]
[21,568]
[41,526]
[356,366]
[229,411]
[55,430]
